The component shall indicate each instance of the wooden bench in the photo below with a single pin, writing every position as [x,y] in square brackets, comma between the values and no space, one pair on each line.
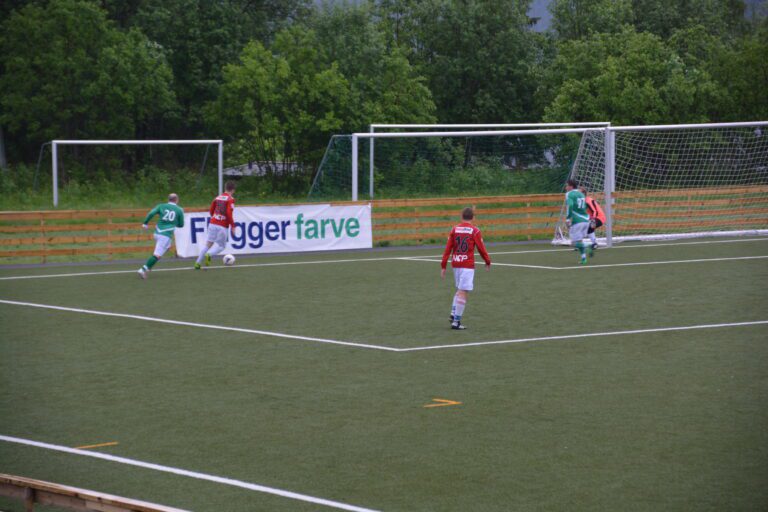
[33,492]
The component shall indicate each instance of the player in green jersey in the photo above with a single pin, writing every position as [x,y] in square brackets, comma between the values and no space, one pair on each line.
[576,217]
[171,216]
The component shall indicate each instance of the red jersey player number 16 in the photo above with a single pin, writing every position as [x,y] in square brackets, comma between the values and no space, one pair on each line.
[460,248]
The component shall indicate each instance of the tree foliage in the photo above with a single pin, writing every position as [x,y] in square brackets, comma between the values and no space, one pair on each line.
[628,78]
[277,78]
[68,72]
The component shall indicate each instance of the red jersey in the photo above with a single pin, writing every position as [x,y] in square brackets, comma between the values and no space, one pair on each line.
[222,210]
[461,242]
[594,210]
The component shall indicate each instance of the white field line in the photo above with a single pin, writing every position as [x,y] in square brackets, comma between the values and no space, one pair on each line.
[666,244]
[578,267]
[195,324]
[380,347]
[218,267]
[187,473]
[352,260]
[588,335]
[703,260]
[427,259]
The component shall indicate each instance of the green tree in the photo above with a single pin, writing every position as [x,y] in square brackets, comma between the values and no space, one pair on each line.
[281,105]
[67,72]
[664,17]
[384,86]
[742,71]
[479,58]
[202,36]
[574,19]
[627,78]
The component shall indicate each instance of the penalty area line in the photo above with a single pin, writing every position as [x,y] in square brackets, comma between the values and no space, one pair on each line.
[641,263]
[587,335]
[481,263]
[195,324]
[190,474]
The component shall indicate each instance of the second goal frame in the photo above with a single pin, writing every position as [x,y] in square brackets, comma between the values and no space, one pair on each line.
[131,142]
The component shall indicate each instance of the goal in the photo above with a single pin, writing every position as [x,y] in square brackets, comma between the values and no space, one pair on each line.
[675,181]
[470,159]
[55,144]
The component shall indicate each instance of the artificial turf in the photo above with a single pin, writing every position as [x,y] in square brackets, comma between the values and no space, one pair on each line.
[660,420]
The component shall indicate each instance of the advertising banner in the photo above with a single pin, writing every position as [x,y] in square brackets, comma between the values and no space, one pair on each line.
[268,229]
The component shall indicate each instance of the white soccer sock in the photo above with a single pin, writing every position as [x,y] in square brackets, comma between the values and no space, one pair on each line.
[201,256]
[215,249]
[592,237]
[459,303]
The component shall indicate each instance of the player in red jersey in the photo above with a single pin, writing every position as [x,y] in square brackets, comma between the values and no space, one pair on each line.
[222,219]
[461,244]
[596,216]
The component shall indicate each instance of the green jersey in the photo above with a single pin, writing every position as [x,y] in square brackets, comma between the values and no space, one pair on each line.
[171,217]
[577,207]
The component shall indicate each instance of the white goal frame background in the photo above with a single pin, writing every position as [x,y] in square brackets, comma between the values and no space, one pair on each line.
[543,129]
[56,143]
[432,127]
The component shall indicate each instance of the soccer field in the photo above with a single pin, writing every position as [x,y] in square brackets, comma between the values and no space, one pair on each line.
[334,381]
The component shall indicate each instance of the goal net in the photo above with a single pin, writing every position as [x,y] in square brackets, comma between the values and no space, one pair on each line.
[127,163]
[409,164]
[676,181]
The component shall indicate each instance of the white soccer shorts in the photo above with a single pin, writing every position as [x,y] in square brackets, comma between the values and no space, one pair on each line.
[162,244]
[577,232]
[465,278]
[217,235]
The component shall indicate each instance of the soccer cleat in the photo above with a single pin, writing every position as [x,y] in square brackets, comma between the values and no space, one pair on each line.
[142,273]
[197,266]
[207,260]
[594,246]
[583,259]
[457,326]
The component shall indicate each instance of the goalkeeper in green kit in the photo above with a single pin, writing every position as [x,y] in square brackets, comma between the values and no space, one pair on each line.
[170,216]
[576,218]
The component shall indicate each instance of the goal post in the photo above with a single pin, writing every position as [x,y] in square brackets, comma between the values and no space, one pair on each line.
[56,143]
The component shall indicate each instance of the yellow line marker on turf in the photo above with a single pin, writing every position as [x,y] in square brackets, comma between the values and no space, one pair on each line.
[101,445]
[442,403]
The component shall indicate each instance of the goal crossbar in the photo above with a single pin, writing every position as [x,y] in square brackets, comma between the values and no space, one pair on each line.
[130,142]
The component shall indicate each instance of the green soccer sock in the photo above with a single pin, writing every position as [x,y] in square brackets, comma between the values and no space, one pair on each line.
[151,261]
[582,248]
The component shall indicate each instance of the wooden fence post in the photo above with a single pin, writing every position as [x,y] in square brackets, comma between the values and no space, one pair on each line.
[109,235]
[45,236]
[29,499]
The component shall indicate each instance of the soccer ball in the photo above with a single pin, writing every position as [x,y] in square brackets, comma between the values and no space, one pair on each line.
[228,259]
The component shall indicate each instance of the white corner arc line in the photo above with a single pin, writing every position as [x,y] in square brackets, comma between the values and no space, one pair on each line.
[195,324]
[587,335]
[191,474]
